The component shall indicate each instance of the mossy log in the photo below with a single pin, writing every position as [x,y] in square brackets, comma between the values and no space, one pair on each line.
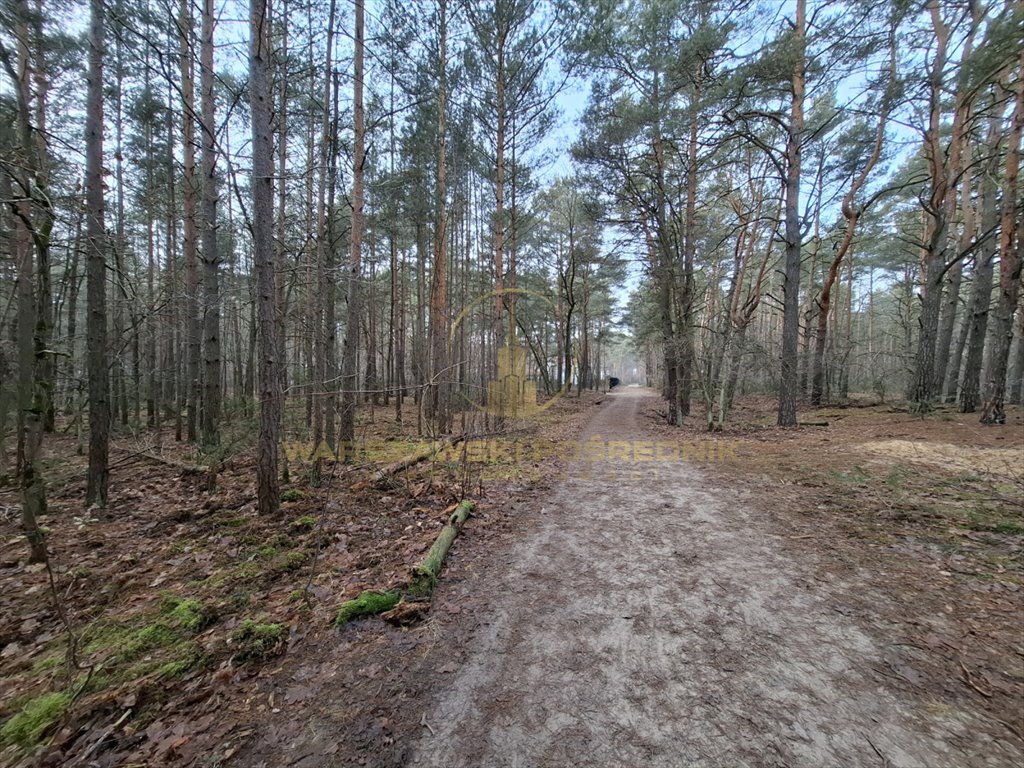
[427,571]
[372,603]
[369,603]
[413,459]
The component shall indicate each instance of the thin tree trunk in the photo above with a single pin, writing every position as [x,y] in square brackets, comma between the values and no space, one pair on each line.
[193,326]
[943,168]
[438,409]
[96,292]
[791,276]
[976,318]
[268,490]
[349,371]
[1011,259]
[499,189]
[211,256]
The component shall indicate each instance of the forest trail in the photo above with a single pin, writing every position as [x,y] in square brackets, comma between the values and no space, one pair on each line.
[654,619]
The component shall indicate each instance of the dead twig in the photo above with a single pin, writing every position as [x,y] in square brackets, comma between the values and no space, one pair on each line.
[96,745]
[882,757]
[425,724]
[970,681]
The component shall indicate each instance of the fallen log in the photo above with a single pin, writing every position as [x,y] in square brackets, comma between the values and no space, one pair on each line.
[369,603]
[426,573]
[413,459]
[420,589]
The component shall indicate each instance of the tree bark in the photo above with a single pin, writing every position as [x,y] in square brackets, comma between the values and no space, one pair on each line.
[943,170]
[1011,259]
[791,277]
[193,322]
[96,276]
[211,256]
[499,188]
[976,318]
[438,405]
[349,371]
[268,490]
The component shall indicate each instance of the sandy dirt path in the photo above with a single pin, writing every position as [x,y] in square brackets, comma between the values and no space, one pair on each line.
[653,618]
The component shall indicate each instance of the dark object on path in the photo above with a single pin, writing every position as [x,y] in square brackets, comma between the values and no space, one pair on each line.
[612,382]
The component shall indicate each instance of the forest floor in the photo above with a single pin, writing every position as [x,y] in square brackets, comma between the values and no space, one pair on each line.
[626,593]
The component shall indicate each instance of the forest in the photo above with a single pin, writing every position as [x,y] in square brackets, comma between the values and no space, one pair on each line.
[270,268]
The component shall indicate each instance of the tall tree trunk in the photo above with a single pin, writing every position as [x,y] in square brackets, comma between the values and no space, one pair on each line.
[976,318]
[420,350]
[317,306]
[949,374]
[193,323]
[96,285]
[943,170]
[173,384]
[686,351]
[438,406]
[501,119]
[791,276]
[74,286]
[281,245]
[211,256]
[268,490]
[954,281]
[120,297]
[30,425]
[1011,259]
[349,371]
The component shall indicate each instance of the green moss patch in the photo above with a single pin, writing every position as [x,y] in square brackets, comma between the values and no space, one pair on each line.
[187,614]
[369,603]
[288,562]
[256,641]
[304,523]
[36,716]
